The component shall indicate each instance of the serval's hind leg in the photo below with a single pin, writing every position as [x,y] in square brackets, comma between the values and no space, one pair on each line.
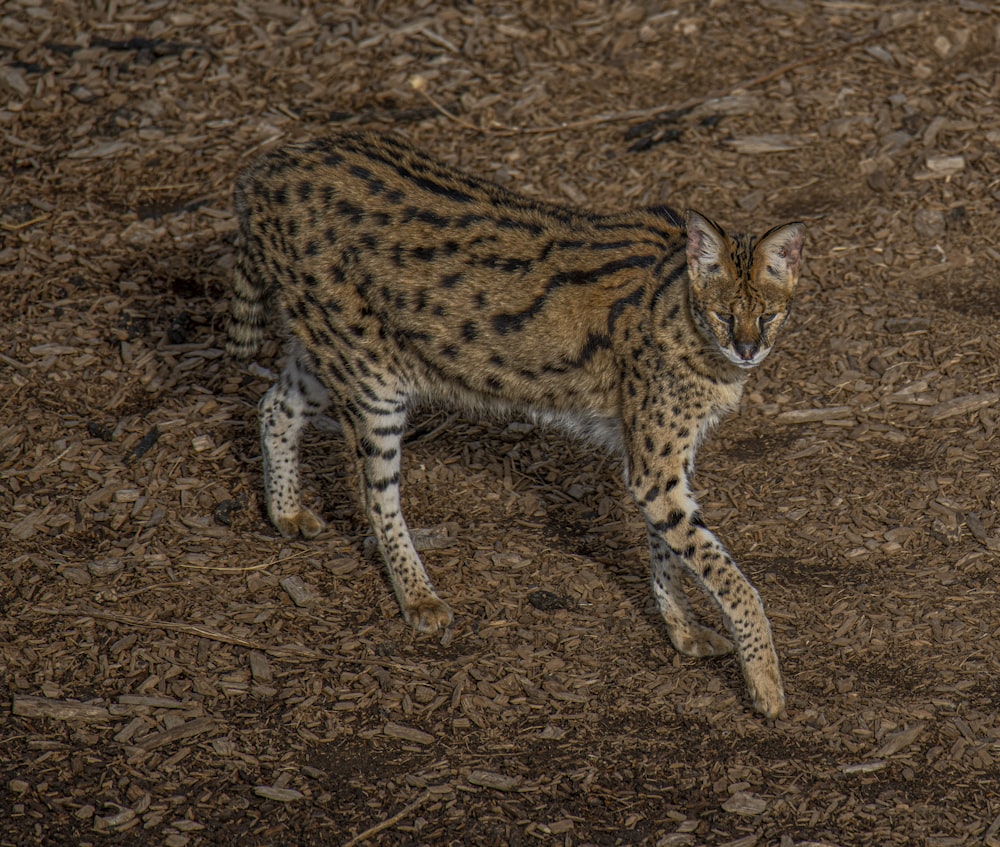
[296,398]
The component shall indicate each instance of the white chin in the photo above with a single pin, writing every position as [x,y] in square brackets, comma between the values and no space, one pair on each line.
[740,362]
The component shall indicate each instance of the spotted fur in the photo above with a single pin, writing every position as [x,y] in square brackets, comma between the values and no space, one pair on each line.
[402,280]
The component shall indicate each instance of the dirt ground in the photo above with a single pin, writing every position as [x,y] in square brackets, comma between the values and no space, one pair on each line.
[172,672]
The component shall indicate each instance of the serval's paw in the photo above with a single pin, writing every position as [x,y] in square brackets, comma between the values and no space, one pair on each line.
[302,522]
[700,641]
[428,614]
[766,692]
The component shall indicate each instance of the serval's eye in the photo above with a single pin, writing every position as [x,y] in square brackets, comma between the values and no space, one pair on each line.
[767,318]
[724,317]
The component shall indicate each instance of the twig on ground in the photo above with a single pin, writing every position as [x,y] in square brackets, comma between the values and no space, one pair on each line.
[291,652]
[286,652]
[260,566]
[419,84]
[388,822]
[24,225]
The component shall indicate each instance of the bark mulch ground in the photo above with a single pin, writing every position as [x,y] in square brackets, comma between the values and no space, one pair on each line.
[175,673]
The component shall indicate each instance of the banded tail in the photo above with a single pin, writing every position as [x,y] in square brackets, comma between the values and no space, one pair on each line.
[251,295]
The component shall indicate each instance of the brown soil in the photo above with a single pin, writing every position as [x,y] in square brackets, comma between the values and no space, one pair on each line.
[162,687]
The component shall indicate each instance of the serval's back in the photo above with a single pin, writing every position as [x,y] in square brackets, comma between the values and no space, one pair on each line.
[403,280]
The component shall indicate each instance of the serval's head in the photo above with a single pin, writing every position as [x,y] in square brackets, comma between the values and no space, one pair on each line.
[741,285]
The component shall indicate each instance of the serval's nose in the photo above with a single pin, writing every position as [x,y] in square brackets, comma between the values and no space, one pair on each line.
[746,350]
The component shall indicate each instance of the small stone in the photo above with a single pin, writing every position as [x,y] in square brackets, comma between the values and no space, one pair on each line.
[929,223]
[424,694]
[942,46]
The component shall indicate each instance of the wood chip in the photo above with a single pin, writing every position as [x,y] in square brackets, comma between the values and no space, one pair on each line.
[13,80]
[899,741]
[407,733]
[432,538]
[991,838]
[557,827]
[302,594]
[490,779]
[151,702]
[63,710]
[104,568]
[771,143]
[745,803]
[800,416]
[260,667]
[121,820]
[282,795]
[102,150]
[945,165]
[964,405]
[864,767]
[188,729]
[908,324]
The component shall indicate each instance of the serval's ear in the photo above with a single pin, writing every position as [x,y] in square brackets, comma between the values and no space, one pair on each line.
[707,247]
[779,252]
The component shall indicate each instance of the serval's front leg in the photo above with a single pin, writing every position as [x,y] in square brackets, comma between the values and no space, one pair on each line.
[291,403]
[676,528]
[686,634]
[374,427]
